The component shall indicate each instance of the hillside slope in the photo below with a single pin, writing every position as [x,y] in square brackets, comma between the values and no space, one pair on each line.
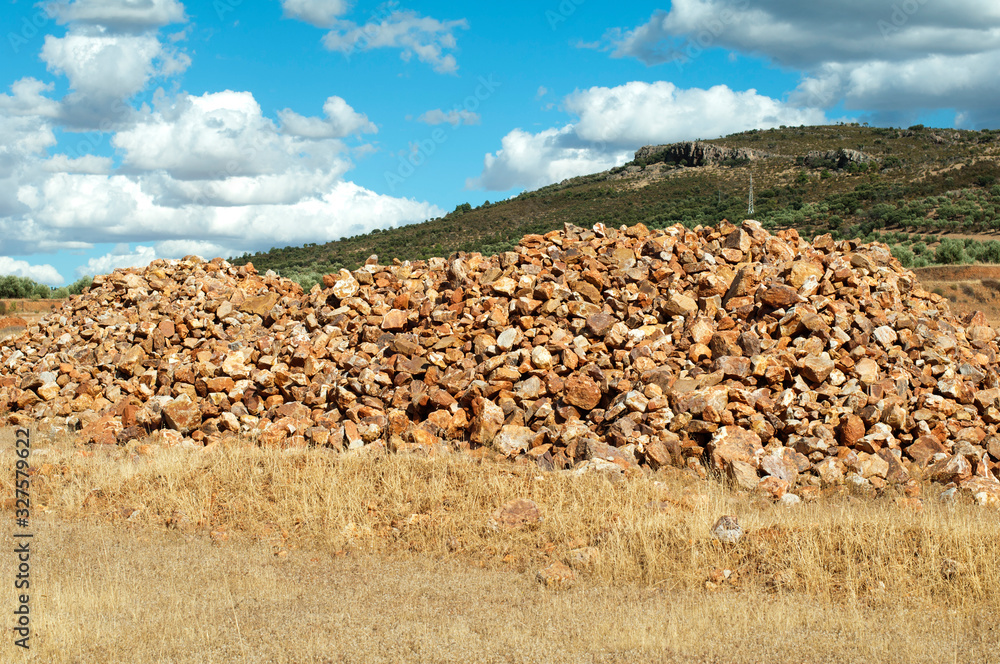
[845,179]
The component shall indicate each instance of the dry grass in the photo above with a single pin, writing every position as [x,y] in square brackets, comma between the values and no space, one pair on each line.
[309,557]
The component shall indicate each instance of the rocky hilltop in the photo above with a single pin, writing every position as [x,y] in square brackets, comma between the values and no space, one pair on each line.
[775,361]
[697,153]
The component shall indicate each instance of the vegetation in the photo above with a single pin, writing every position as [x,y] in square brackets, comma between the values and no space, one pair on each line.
[12,287]
[237,540]
[924,185]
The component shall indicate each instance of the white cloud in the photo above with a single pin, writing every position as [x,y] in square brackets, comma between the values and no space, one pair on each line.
[890,56]
[106,70]
[29,100]
[125,15]
[423,36]
[638,113]
[207,173]
[120,257]
[534,160]
[220,135]
[45,274]
[321,13]
[89,164]
[341,121]
[454,117]
[613,122]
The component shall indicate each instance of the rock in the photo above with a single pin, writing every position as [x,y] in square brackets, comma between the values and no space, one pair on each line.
[541,358]
[727,530]
[954,468]
[851,430]
[556,575]
[509,338]
[516,513]
[733,443]
[583,392]
[512,439]
[743,474]
[678,304]
[394,320]
[582,557]
[773,487]
[817,368]
[487,421]
[790,500]
[260,305]
[181,414]
[780,297]
[780,463]
[345,285]
[613,348]
[600,324]
[801,271]
[830,472]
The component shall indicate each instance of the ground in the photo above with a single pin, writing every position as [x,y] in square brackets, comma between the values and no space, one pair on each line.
[249,555]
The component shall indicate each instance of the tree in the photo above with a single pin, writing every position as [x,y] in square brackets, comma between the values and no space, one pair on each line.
[951,252]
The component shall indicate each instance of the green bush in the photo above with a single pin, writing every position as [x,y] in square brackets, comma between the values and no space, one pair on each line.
[951,252]
[80,285]
[903,255]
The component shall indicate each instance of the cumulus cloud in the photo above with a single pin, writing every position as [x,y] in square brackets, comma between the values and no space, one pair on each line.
[90,164]
[119,15]
[613,122]
[321,13]
[219,135]
[534,160]
[105,70]
[205,174]
[341,120]
[882,54]
[27,99]
[119,257]
[425,37]
[45,274]
[454,117]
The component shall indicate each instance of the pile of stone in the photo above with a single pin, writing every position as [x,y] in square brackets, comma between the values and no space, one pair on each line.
[775,361]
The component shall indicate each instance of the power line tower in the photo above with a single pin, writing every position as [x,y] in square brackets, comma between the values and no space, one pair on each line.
[750,207]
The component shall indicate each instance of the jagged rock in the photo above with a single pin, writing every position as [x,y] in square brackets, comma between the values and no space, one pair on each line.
[696,153]
[837,158]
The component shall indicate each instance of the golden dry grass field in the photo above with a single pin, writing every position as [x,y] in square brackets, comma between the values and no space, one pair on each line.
[250,555]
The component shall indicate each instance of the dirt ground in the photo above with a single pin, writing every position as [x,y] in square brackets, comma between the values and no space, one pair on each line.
[968,288]
[31,310]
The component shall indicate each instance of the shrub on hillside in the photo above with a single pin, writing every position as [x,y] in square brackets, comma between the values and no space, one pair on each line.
[81,284]
[951,252]
[903,255]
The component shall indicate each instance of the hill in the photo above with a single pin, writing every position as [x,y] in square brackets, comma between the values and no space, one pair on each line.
[908,187]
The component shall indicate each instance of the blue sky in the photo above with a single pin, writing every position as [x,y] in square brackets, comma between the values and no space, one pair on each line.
[139,129]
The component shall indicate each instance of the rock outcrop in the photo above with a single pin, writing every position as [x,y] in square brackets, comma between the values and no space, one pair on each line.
[841,158]
[696,153]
